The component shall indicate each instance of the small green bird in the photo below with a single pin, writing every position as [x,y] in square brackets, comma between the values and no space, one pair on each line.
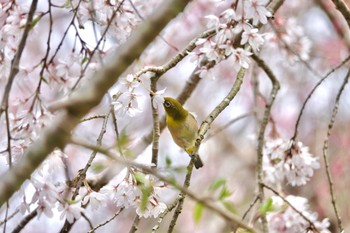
[183,128]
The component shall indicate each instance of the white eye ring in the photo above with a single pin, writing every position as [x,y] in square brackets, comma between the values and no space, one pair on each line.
[167,104]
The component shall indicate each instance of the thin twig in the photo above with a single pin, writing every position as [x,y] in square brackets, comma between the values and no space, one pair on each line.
[103,116]
[162,215]
[135,224]
[325,151]
[219,108]
[181,198]
[263,125]
[78,181]
[106,222]
[9,217]
[114,14]
[295,136]
[160,70]
[250,206]
[87,219]
[25,221]
[228,124]
[156,127]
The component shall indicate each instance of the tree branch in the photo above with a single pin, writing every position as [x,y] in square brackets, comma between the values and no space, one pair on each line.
[87,97]
[261,137]
[325,151]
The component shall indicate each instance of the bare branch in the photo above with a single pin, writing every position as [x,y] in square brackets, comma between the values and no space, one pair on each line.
[181,198]
[343,9]
[25,221]
[219,108]
[295,136]
[263,125]
[325,151]
[106,222]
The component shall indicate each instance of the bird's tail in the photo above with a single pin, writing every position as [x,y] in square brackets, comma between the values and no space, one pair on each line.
[197,161]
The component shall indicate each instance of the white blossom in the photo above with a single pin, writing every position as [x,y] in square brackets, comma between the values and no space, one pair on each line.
[153,209]
[284,219]
[288,160]
[127,104]
[130,82]
[254,39]
[256,10]
[70,211]
[45,207]
[95,199]
[128,194]
[158,99]
[241,58]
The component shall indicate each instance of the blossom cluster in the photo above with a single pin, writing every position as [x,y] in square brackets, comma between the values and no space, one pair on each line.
[119,17]
[129,193]
[12,20]
[286,220]
[288,160]
[51,193]
[46,191]
[236,25]
[290,39]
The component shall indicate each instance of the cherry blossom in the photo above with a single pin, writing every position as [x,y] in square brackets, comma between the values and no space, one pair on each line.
[45,207]
[130,82]
[256,10]
[70,211]
[252,37]
[288,160]
[95,199]
[128,194]
[284,219]
[158,99]
[127,104]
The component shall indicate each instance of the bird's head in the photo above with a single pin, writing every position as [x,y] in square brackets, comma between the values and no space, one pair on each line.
[174,109]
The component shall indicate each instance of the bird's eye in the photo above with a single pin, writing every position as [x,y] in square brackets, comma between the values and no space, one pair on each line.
[167,104]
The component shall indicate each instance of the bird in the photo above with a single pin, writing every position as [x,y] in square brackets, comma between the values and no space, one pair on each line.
[183,128]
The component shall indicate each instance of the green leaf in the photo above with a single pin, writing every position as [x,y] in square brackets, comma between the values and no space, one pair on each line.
[123,139]
[146,193]
[122,144]
[198,212]
[66,4]
[98,167]
[168,161]
[224,193]
[230,206]
[217,184]
[141,178]
[85,59]
[266,207]
[146,188]
[44,80]
[34,22]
